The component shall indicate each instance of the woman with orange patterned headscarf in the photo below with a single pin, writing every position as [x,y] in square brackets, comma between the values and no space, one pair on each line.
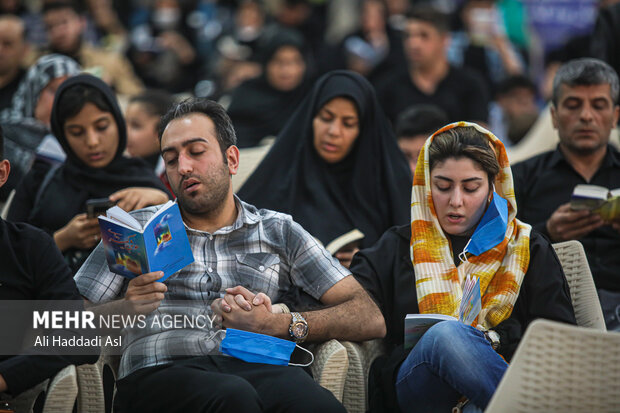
[463,225]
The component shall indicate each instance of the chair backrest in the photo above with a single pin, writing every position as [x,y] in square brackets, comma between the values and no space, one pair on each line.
[582,290]
[249,159]
[561,368]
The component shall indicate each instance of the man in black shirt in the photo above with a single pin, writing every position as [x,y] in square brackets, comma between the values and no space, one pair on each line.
[429,79]
[584,111]
[32,269]
[13,48]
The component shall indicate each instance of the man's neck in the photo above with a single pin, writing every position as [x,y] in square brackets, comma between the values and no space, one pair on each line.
[586,165]
[224,216]
[7,78]
[426,78]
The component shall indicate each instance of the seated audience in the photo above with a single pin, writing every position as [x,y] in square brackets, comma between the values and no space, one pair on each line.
[260,107]
[464,183]
[335,166]
[428,77]
[584,110]
[233,244]
[89,125]
[32,269]
[414,126]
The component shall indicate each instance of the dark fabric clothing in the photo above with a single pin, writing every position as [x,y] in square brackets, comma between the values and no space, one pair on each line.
[74,183]
[33,269]
[462,94]
[386,272]
[7,92]
[258,110]
[368,190]
[223,384]
[605,41]
[546,181]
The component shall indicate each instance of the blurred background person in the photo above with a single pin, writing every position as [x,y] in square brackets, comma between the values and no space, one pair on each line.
[260,107]
[13,50]
[413,126]
[65,27]
[514,110]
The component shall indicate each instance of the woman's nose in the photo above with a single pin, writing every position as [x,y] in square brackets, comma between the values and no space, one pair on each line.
[456,198]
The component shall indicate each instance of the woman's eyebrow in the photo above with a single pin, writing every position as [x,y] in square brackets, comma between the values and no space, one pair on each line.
[445,178]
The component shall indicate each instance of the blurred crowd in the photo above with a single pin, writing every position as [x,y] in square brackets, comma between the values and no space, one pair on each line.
[258,57]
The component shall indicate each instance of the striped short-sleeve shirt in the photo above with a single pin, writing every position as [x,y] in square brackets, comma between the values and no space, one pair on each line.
[264,251]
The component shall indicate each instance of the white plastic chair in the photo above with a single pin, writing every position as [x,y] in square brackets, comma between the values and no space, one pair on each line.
[561,368]
[582,290]
[60,394]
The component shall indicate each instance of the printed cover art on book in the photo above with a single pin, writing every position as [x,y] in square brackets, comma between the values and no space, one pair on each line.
[162,245]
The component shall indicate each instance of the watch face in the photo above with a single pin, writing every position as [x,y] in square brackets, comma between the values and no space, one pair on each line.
[299,329]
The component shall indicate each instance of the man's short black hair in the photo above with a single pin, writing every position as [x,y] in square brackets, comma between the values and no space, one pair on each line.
[420,120]
[515,82]
[61,5]
[429,14]
[586,71]
[1,144]
[223,126]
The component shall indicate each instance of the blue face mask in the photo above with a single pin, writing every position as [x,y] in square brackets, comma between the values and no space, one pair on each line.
[491,229]
[259,348]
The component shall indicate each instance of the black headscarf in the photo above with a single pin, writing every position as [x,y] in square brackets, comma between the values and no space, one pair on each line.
[75,182]
[257,109]
[368,190]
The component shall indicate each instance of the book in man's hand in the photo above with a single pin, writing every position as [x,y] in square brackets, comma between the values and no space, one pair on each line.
[131,249]
[418,324]
[597,199]
[351,237]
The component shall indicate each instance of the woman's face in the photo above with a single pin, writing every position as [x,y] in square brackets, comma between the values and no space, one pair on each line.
[460,191]
[142,140]
[43,110]
[336,127]
[286,69]
[92,134]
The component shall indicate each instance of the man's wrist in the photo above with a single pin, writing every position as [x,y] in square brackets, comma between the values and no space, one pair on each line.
[277,325]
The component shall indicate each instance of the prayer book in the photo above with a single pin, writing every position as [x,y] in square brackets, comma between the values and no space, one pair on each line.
[344,240]
[161,245]
[597,199]
[418,324]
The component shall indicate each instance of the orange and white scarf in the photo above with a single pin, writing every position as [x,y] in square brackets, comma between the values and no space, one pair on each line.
[501,269]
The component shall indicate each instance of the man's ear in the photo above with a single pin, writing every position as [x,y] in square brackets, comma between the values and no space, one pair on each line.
[232,157]
[5,169]
[554,120]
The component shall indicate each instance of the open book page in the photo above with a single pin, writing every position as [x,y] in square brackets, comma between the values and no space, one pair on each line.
[338,243]
[120,216]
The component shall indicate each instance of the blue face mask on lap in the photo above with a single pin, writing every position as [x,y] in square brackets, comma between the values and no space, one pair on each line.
[259,348]
[491,229]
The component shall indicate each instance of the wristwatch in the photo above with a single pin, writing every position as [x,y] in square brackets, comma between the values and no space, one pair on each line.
[493,338]
[298,328]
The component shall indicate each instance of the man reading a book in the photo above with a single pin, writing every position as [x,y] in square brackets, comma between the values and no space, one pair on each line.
[244,259]
[584,112]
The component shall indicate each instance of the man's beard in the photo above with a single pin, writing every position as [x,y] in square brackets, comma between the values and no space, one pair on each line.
[217,185]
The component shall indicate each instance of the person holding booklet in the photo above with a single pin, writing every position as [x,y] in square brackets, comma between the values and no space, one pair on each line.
[584,111]
[463,226]
[335,165]
[244,259]
[90,127]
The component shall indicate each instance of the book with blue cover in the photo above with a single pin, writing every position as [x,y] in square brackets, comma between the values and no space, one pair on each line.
[131,250]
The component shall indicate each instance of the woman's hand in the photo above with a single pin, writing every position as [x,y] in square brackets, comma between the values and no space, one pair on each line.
[130,199]
[81,232]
